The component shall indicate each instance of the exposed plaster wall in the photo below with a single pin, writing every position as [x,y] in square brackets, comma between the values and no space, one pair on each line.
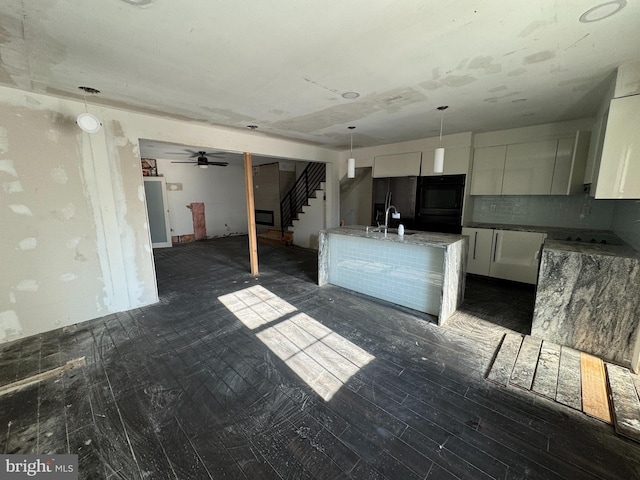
[74,221]
[75,242]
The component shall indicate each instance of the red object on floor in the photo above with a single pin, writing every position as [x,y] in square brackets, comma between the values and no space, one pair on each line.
[199,224]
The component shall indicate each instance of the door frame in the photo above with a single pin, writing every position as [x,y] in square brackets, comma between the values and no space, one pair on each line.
[163,187]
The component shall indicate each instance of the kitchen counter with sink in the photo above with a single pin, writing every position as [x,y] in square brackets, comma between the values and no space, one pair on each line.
[424,271]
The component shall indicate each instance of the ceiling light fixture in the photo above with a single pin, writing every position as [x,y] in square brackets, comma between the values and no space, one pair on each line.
[351,162]
[137,2]
[350,95]
[203,166]
[602,11]
[86,121]
[438,158]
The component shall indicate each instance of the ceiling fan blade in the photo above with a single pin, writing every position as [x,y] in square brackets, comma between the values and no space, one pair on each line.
[219,164]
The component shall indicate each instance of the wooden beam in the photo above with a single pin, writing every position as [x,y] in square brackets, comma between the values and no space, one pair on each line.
[251,214]
[595,401]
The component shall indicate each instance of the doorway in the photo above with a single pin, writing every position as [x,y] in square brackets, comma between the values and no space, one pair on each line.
[155,189]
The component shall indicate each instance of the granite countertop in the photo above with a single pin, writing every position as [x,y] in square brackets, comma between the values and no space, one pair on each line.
[411,237]
[621,251]
[504,226]
[559,238]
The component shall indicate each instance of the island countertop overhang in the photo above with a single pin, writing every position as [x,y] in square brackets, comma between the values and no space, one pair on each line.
[411,237]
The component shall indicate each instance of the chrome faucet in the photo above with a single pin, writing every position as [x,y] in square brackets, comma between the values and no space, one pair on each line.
[386,215]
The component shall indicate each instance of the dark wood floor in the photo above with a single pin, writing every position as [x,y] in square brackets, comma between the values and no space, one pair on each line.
[186,389]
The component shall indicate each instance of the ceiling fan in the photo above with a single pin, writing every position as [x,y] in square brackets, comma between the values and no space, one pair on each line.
[202,160]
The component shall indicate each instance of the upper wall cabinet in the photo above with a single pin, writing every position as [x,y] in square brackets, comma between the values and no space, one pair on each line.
[456,161]
[528,168]
[569,169]
[620,162]
[488,170]
[547,167]
[398,165]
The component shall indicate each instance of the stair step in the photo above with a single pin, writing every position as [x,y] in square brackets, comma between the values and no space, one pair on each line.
[276,237]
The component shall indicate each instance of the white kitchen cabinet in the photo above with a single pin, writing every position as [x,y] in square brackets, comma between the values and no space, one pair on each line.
[480,243]
[528,168]
[506,254]
[619,173]
[547,167]
[571,161]
[397,165]
[488,170]
[456,161]
[516,255]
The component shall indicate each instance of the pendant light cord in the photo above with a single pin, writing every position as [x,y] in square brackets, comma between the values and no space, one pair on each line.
[351,144]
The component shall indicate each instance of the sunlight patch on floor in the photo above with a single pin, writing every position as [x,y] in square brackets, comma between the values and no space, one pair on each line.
[317,354]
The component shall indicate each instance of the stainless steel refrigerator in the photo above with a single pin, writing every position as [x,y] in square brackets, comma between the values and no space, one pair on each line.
[399,192]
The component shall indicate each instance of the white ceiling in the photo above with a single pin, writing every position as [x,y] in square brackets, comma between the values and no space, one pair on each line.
[284,64]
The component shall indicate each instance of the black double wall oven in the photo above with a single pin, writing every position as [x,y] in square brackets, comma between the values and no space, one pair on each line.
[439,203]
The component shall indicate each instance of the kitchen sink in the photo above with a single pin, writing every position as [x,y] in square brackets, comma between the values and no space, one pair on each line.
[389,230]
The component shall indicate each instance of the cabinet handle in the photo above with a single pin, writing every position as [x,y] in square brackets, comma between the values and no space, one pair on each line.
[495,247]
[475,243]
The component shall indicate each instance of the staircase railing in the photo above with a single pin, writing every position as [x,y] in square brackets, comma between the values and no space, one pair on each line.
[292,203]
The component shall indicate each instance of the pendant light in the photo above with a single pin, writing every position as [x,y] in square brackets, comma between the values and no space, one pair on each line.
[351,162]
[86,121]
[438,158]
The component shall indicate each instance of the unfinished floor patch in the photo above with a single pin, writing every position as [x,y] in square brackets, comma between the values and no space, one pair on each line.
[32,380]
[569,377]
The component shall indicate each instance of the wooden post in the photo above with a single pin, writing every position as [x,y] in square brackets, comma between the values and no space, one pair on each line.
[251,214]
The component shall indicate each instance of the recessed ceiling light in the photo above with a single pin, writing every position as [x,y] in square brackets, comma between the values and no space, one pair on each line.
[602,11]
[350,95]
[88,122]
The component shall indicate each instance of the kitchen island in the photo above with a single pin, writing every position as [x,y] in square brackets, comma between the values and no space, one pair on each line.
[424,271]
[588,298]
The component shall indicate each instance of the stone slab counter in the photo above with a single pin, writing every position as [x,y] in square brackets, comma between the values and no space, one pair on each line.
[424,271]
[588,298]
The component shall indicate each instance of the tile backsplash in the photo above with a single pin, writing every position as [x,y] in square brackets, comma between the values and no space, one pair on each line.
[571,211]
[626,221]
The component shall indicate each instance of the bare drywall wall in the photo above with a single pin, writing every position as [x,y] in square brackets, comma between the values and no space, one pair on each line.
[221,189]
[74,232]
[75,241]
